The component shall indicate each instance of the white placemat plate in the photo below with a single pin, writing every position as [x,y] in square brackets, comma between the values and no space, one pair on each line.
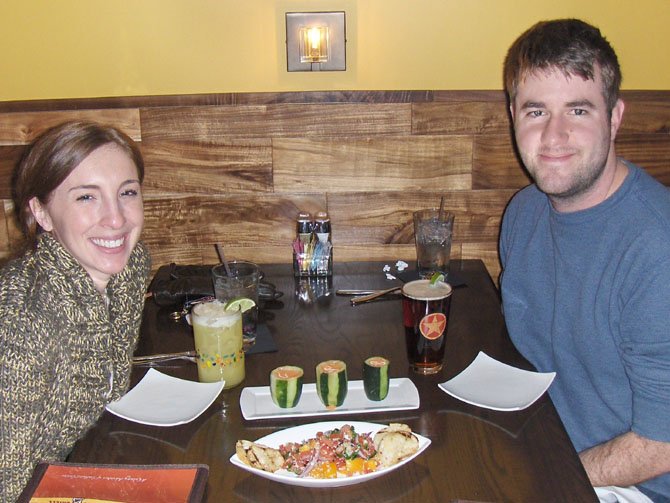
[162,400]
[488,383]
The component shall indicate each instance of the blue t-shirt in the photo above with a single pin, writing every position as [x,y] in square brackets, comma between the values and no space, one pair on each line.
[587,295]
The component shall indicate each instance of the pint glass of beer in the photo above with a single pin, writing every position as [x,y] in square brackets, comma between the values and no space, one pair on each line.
[425,309]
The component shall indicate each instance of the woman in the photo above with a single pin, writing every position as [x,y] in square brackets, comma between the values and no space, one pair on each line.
[71,306]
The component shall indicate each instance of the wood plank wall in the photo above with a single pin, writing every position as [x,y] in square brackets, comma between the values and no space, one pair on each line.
[237,168]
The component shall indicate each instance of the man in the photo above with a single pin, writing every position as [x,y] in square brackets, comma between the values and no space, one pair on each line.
[585,252]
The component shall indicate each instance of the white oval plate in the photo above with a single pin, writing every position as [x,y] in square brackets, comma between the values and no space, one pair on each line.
[300,433]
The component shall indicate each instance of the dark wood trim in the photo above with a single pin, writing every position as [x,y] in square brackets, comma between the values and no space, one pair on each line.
[218,99]
[646,95]
[417,96]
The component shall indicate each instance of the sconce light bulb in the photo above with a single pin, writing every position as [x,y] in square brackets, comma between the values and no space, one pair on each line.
[314,35]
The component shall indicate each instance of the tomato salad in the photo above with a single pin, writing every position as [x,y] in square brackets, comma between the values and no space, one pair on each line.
[341,452]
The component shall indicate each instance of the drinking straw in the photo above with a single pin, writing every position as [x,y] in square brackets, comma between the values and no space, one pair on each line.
[441,214]
[222,257]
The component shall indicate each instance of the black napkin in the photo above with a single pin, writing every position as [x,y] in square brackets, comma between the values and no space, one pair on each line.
[265,343]
[175,284]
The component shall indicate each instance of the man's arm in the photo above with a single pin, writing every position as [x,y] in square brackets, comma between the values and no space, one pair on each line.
[626,460]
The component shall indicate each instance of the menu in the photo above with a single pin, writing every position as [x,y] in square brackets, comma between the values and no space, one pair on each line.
[91,483]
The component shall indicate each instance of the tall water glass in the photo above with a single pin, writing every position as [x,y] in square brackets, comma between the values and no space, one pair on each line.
[240,280]
[433,231]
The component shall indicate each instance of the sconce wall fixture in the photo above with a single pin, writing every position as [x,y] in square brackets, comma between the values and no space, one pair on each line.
[315,41]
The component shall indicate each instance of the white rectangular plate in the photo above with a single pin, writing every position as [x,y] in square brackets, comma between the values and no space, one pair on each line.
[256,403]
[305,431]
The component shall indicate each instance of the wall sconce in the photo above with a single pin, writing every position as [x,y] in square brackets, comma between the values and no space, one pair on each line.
[315,41]
[314,44]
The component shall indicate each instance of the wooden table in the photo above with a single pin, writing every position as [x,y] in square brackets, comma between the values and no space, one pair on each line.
[476,453]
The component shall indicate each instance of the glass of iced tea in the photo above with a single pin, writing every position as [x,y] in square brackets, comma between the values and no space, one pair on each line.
[425,309]
[218,343]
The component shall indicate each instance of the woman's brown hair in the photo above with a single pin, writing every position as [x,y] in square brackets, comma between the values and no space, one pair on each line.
[53,156]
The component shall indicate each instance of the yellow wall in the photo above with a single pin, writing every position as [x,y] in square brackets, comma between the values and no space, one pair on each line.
[95,48]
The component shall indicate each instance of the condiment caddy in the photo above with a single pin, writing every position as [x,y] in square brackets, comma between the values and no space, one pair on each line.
[313,247]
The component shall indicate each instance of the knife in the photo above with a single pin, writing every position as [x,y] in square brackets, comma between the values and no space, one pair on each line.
[184,355]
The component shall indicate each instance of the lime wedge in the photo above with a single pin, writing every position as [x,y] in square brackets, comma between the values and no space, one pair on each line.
[436,277]
[243,303]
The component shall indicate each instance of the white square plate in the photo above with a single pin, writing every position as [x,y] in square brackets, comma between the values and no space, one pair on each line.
[300,433]
[256,403]
[163,400]
[488,383]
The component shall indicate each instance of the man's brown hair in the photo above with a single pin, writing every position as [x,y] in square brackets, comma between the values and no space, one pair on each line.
[572,46]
